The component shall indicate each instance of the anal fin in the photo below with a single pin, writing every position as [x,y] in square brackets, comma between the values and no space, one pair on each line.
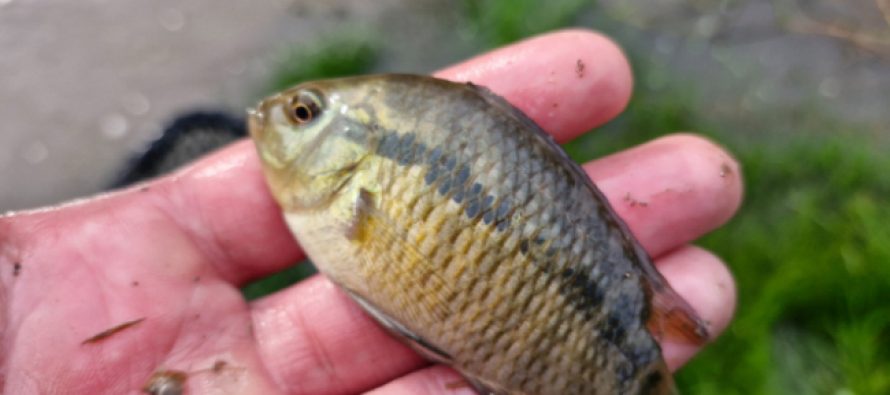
[416,342]
[423,347]
[484,388]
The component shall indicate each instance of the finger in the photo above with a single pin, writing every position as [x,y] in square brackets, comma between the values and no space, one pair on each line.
[219,209]
[315,340]
[568,81]
[670,191]
[223,202]
[430,381]
[706,283]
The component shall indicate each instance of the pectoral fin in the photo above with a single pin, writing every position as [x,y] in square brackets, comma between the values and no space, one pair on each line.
[357,229]
[383,238]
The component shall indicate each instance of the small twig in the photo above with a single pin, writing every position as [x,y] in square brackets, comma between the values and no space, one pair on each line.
[884,6]
[864,41]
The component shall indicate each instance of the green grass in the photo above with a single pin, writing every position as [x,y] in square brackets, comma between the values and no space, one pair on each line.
[811,253]
[278,281]
[336,56]
[498,22]
[810,247]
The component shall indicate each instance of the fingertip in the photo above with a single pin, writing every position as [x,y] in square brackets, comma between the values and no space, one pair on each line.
[671,190]
[568,81]
[706,283]
[707,159]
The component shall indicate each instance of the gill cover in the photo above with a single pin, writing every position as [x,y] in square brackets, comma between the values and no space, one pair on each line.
[310,144]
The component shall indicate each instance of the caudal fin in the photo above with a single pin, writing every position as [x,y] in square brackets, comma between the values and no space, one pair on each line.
[672,318]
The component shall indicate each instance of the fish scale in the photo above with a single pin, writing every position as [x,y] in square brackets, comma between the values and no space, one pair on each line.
[463,228]
[502,304]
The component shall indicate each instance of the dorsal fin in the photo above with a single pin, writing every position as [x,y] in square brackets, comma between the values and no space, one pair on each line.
[529,124]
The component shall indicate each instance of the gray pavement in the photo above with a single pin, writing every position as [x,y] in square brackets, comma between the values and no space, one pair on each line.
[85,83]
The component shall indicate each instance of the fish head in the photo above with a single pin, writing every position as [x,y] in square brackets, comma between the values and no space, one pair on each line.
[311,139]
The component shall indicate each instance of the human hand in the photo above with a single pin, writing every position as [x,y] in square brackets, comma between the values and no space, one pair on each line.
[167,258]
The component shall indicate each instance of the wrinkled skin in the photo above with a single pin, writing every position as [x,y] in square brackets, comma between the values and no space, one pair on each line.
[174,252]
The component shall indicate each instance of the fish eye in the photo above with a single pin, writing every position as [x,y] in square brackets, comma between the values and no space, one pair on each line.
[304,107]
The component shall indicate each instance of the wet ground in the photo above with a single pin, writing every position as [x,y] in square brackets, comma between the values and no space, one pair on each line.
[85,84]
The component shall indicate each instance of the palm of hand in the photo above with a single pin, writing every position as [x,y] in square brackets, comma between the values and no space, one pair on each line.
[135,291]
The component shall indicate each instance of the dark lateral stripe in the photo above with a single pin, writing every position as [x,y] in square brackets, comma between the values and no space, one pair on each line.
[452,178]
[448,175]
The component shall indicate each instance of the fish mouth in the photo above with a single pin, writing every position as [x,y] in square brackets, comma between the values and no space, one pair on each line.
[256,121]
[256,128]
[260,116]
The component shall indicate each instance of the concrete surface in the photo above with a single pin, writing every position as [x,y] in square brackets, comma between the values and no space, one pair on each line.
[764,55]
[84,83]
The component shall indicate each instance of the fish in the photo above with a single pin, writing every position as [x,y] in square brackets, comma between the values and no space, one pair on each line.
[463,228]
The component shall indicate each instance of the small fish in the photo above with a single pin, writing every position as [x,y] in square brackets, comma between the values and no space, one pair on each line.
[463,228]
